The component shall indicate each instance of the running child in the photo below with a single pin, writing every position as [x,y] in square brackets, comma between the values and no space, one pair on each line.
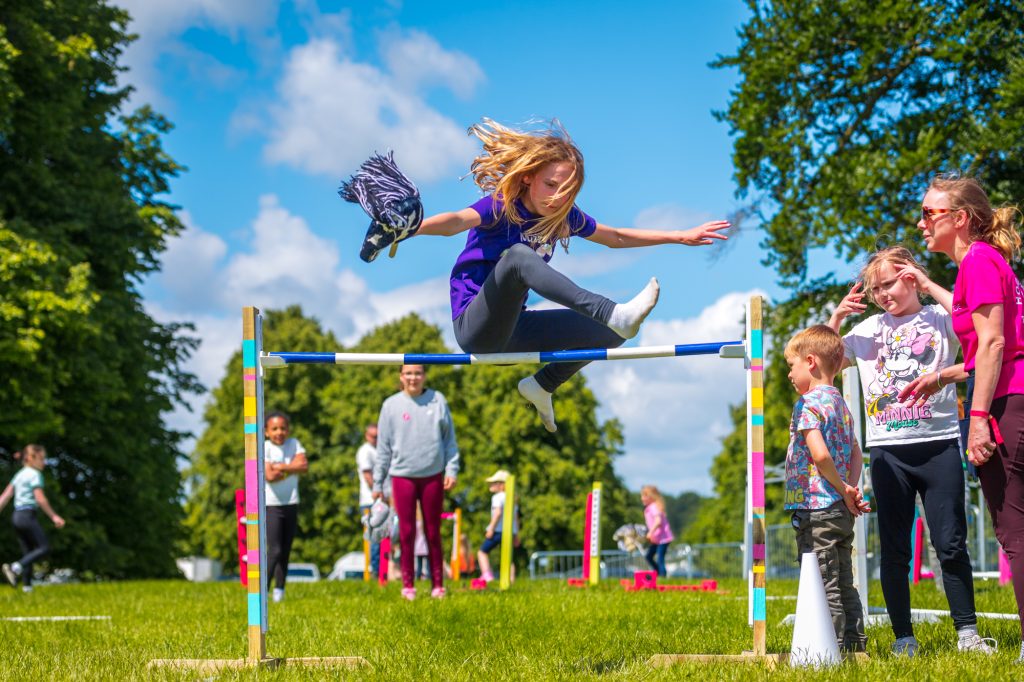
[915,450]
[26,489]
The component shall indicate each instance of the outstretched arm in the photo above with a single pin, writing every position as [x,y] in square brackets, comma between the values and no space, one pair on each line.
[628,237]
[44,504]
[6,496]
[450,223]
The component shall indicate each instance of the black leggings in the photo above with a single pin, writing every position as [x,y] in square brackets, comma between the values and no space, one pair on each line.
[33,541]
[495,322]
[282,525]
[933,469]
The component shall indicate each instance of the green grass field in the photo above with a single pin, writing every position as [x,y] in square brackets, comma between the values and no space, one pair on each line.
[537,630]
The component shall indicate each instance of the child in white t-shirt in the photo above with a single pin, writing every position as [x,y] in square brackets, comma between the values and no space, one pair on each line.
[915,447]
[285,459]
[496,484]
[26,489]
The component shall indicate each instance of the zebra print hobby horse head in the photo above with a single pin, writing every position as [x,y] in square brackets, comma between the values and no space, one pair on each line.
[389,198]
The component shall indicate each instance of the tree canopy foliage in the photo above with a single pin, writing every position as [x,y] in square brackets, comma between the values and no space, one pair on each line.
[330,407]
[843,112]
[84,369]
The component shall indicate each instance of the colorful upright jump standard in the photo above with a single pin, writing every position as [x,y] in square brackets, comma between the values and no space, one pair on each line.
[755,427]
[594,558]
[507,532]
[457,548]
[586,536]
[252,417]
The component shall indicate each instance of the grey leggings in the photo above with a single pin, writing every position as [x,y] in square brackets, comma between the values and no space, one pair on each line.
[495,322]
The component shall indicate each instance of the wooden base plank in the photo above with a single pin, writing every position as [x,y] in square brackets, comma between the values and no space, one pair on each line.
[212,665]
[770,661]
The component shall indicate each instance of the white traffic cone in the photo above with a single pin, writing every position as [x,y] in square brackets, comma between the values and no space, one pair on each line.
[814,637]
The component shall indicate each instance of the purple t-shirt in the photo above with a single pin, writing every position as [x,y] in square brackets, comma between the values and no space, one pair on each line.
[487,243]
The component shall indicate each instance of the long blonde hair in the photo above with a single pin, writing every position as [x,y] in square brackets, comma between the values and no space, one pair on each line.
[894,255]
[510,155]
[994,226]
[652,492]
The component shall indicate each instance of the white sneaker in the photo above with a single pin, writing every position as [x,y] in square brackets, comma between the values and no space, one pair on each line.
[27,589]
[975,642]
[905,646]
[9,573]
[278,595]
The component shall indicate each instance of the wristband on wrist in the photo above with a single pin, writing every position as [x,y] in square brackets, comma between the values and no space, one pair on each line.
[938,380]
[979,413]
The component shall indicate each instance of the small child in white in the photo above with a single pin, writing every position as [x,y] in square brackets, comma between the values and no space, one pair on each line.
[494,528]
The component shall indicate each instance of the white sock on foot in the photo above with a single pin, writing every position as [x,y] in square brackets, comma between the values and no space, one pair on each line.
[541,399]
[626,318]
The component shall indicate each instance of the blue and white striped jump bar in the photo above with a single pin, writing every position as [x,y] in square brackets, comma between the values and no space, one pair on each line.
[724,349]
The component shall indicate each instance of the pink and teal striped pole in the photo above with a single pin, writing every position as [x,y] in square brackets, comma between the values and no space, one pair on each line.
[755,472]
[255,509]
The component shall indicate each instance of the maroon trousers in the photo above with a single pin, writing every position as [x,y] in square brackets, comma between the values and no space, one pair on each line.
[429,492]
[1002,481]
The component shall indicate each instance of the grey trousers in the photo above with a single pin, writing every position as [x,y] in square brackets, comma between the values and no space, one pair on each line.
[829,534]
[495,321]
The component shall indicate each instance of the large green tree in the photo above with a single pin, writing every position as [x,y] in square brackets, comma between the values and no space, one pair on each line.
[330,406]
[843,111]
[83,369]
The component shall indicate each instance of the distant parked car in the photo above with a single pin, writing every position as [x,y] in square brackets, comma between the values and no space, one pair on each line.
[303,573]
[348,567]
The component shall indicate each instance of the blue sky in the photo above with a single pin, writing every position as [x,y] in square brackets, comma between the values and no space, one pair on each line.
[274,104]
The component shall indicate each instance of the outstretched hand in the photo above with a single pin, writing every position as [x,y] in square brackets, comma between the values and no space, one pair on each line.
[705,234]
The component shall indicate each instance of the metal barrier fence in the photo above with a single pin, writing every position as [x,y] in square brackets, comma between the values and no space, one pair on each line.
[725,559]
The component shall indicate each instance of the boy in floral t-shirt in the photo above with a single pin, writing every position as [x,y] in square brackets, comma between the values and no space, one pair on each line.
[823,465]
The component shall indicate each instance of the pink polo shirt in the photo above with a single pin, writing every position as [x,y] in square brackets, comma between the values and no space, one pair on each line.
[986,278]
[652,515]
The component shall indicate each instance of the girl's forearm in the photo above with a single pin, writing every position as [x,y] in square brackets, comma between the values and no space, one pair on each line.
[941,296]
[44,504]
[630,237]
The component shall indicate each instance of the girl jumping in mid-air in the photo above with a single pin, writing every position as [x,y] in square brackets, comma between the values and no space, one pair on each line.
[532,180]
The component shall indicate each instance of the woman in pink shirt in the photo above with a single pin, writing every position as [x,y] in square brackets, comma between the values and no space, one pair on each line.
[658,532]
[958,220]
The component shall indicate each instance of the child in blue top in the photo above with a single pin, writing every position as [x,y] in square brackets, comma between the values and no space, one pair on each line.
[823,465]
[532,180]
[26,489]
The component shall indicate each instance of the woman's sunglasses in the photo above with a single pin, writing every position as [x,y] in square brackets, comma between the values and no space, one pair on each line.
[929,213]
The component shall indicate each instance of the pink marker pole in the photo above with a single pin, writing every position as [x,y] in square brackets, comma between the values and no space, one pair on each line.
[243,563]
[1004,568]
[918,549]
[586,537]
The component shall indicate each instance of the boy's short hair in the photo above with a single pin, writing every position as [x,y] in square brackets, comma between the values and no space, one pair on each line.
[822,341]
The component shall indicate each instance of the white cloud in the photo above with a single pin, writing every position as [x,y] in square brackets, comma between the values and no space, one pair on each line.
[417,61]
[675,410]
[159,25]
[333,112]
[287,263]
[669,217]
